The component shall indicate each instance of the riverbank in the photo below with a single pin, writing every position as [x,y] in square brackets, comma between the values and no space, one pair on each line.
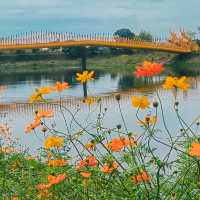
[120,63]
[187,64]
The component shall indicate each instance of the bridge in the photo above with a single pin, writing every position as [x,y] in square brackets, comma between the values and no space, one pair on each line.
[32,40]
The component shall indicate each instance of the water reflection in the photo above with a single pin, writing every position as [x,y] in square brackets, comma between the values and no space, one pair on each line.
[19,87]
[17,79]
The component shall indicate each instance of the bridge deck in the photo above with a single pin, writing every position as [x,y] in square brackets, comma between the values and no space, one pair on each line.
[62,40]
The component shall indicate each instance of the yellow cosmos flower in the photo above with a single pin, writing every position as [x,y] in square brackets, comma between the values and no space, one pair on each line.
[182,83]
[57,163]
[148,120]
[7,150]
[44,90]
[140,102]
[174,83]
[54,142]
[89,100]
[85,76]
[38,95]
[35,98]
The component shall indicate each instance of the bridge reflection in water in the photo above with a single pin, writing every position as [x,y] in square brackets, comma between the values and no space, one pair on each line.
[107,99]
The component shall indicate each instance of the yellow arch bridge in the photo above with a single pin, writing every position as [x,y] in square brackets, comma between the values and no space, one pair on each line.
[52,40]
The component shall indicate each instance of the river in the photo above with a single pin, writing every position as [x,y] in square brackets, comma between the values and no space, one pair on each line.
[20,86]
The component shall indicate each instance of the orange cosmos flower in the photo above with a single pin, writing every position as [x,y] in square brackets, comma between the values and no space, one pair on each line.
[129,142]
[140,102]
[142,177]
[32,126]
[45,114]
[109,168]
[42,186]
[175,83]
[37,120]
[85,76]
[117,144]
[53,180]
[90,161]
[30,158]
[90,146]
[86,174]
[14,198]
[5,130]
[54,142]
[57,163]
[149,69]
[195,149]
[44,194]
[59,87]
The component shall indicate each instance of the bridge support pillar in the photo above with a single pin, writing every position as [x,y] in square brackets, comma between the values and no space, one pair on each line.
[83,59]
[83,68]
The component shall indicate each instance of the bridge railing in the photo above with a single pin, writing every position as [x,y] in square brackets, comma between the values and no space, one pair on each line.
[53,37]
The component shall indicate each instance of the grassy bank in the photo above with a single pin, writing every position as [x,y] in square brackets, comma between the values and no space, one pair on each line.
[121,63]
[188,64]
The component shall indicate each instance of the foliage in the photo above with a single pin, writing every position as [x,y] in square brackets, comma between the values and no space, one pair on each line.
[144,35]
[124,33]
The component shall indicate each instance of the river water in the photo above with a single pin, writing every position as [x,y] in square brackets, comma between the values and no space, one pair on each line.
[19,87]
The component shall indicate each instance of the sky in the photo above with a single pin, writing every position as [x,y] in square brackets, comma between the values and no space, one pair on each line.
[90,16]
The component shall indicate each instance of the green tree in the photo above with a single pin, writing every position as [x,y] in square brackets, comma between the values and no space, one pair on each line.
[35,50]
[73,52]
[144,35]
[124,33]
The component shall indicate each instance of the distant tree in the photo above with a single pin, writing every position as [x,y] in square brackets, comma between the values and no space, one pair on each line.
[144,35]
[35,50]
[75,52]
[92,51]
[20,55]
[124,33]
[20,51]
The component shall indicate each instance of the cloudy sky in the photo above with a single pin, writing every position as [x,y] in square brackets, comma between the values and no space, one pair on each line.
[156,16]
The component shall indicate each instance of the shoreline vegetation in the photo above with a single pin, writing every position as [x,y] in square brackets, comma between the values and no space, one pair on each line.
[108,63]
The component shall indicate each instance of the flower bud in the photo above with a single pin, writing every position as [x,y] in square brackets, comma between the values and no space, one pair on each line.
[119,126]
[117,97]
[36,112]
[176,103]
[155,104]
